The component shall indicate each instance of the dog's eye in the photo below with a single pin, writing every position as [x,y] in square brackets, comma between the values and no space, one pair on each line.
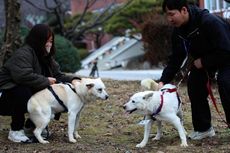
[133,101]
[100,90]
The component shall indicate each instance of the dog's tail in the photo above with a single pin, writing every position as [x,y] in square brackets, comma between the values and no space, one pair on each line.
[149,84]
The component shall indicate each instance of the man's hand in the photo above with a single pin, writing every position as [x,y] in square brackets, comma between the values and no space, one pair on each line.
[160,85]
[52,80]
[198,63]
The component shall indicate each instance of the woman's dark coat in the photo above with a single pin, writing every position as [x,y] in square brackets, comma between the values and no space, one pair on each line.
[23,68]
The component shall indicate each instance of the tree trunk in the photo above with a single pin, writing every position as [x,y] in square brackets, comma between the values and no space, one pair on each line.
[12,39]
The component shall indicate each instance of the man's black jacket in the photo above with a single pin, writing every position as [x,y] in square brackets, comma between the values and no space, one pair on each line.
[205,36]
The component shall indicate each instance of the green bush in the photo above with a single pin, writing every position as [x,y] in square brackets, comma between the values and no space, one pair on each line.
[66,55]
[24,31]
[83,53]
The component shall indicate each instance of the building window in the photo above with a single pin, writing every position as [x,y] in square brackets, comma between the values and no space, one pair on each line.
[216,5]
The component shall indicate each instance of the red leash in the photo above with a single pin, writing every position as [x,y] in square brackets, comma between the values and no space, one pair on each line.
[214,100]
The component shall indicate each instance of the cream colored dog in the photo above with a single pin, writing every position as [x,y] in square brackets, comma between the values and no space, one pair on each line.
[43,105]
[149,84]
[163,105]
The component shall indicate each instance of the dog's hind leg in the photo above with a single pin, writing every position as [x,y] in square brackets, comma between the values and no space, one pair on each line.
[41,124]
[146,134]
[159,131]
[41,120]
[175,120]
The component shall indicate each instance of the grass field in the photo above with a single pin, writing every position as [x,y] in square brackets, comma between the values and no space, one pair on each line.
[105,128]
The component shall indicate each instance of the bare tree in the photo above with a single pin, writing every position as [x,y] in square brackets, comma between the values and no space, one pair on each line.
[11,40]
[57,9]
[77,30]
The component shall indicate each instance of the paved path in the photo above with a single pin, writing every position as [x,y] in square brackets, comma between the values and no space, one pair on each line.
[126,74]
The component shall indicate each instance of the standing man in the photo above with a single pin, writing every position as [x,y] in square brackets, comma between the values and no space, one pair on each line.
[206,38]
[94,69]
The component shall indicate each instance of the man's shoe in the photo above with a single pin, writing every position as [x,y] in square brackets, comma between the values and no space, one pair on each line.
[193,134]
[201,135]
[18,136]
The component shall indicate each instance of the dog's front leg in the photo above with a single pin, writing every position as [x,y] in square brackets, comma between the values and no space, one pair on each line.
[71,126]
[77,136]
[159,131]
[146,134]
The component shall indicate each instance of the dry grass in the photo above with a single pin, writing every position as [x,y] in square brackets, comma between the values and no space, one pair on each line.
[105,128]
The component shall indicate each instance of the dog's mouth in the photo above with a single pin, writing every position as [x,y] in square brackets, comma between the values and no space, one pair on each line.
[131,111]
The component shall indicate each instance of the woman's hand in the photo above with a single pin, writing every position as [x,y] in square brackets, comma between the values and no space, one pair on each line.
[198,63]
[52,80]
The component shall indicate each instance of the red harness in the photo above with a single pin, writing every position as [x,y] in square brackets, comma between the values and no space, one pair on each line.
[162,99]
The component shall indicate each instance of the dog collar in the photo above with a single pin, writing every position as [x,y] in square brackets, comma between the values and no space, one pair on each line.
[162,99]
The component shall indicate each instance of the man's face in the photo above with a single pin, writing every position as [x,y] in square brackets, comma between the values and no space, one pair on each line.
[177,18]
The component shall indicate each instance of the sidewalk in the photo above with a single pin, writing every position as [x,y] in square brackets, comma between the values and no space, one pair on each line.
[125,74]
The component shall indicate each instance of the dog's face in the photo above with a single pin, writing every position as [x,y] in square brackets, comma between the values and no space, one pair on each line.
[138,102]
[95,87]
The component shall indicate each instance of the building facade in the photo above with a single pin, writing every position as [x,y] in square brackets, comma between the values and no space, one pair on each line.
[220,7]
[78,6]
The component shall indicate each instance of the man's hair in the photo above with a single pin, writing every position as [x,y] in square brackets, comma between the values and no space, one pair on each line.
[174,4]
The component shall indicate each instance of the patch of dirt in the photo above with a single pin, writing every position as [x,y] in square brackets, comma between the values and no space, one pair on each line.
[105,128]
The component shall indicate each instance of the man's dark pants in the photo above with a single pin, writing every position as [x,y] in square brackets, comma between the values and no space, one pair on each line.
[198,94]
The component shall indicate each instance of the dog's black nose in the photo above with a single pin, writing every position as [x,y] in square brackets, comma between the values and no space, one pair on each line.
[106,97]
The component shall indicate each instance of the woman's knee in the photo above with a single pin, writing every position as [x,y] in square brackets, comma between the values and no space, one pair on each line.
[19,95]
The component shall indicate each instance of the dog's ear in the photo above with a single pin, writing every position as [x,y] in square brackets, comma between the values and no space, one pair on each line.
[147,96]
[90,85]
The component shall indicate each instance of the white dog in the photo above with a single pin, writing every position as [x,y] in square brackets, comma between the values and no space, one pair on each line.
[163,105]
[64,97]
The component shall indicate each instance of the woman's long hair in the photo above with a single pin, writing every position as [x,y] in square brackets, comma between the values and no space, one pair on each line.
[37,39]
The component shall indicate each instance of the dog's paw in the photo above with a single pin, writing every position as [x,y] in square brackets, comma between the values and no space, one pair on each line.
[184,144]
[140,145]
[77,136]
[156,138]
[44,142]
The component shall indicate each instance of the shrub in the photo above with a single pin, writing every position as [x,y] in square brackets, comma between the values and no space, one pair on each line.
[24,31]
[157,38]
[66,55]
[83,53]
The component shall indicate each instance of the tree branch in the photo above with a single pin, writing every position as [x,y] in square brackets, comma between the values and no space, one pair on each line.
[36,6]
